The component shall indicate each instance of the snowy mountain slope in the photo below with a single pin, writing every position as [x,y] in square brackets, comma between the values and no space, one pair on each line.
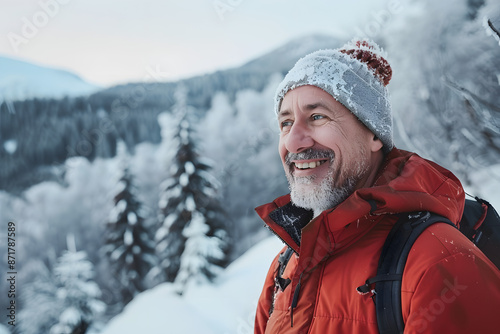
[252,75]
[21,80]
[284,57]
[228,306]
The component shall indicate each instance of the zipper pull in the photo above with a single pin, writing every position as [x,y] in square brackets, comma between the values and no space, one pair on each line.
[295,300]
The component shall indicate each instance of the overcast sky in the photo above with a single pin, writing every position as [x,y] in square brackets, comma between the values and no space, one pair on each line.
[109,42]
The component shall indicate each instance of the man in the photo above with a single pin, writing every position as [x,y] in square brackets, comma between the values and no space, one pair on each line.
[347,183]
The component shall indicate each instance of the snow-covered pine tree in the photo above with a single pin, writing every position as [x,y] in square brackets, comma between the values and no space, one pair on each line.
[40,307]
[128,243]
[64,300]
[192,242]
[77,292]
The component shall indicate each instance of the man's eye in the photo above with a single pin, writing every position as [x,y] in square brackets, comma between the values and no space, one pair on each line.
[316,117]
[285,124]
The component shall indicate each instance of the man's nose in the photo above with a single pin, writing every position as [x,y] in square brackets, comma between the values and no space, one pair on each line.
[299,138]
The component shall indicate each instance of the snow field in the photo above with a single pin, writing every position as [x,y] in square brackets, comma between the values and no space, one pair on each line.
[227,306]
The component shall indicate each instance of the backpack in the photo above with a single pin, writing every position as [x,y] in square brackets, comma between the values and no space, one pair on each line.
[480,223]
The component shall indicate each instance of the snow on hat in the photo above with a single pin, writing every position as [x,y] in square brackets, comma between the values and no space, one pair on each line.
[355,75]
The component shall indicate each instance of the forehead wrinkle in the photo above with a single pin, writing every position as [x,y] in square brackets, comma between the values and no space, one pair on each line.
[307,107]
[308,104]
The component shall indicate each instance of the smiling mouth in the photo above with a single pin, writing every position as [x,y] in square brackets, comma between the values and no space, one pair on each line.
[308,165]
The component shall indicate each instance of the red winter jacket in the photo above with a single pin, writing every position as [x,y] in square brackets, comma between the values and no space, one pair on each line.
[448,286]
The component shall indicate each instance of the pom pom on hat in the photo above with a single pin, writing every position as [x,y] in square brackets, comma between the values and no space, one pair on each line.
[372,55]
[356,75]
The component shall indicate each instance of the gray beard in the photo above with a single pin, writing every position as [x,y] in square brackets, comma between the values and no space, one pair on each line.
[320,197]
[325,195]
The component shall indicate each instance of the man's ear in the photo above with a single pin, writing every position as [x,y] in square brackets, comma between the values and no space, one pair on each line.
[376,144]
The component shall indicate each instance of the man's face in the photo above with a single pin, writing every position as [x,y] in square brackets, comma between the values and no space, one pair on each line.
[326,152]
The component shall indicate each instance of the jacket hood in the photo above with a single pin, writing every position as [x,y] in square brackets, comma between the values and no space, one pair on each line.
[405,183]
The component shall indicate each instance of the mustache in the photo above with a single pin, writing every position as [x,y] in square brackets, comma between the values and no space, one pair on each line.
[309,154]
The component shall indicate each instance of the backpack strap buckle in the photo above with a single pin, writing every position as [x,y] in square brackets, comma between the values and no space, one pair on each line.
[283,259]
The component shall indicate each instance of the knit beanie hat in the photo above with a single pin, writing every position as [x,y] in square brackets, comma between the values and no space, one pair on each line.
[355,75]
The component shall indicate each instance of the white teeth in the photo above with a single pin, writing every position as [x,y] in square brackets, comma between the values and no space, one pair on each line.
[304,165]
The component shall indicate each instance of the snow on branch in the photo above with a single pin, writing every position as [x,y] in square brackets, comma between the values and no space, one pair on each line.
[469,96]
[482,115]
[491,30]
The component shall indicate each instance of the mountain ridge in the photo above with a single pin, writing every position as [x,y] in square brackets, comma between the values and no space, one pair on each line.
[23,80]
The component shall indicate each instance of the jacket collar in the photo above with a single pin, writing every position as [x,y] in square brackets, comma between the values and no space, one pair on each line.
[330,232]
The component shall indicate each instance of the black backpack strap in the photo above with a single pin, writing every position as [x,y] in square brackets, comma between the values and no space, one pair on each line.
[481,224]
[387,292]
